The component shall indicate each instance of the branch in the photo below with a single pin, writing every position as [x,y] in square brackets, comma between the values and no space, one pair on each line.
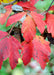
[5,4]
[8,33]
[11,29]
[24,0]
[4,37]
[50,6]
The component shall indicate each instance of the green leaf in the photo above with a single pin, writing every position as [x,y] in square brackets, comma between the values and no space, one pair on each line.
[37,32]
[43,5]
[4,28]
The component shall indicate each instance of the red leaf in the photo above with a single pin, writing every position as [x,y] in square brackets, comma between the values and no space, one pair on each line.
[28,29]
[33,2]
[4,47]
[14,54]
[41,58]
[9,47]
[41,51]
[16,42]
[15,18]
[2,34]
[8,7]
[3,17]
[38,48]
[27,53]
[38,20]
[50,23]
[5,44]
[51,8]
[26,5]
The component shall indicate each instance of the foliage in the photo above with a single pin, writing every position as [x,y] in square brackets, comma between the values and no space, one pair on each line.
[33,46]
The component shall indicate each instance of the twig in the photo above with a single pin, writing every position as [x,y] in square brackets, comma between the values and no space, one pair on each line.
[5,4]
[47,9]
[50,6]
[4,37]
[8,33]
[24,0]
[11,29]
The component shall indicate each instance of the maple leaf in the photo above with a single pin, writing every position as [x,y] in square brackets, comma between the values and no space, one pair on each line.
[28,29]
[50,23]
[14,18]
[26,5]
[4,47]
[14,54]
[26,52]
[41,50]
[9,47]
[38,48]
[33,2]
[38,20]
[3,17]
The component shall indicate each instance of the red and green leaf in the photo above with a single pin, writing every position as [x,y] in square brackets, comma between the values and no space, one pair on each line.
[33,2]
[51,8]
